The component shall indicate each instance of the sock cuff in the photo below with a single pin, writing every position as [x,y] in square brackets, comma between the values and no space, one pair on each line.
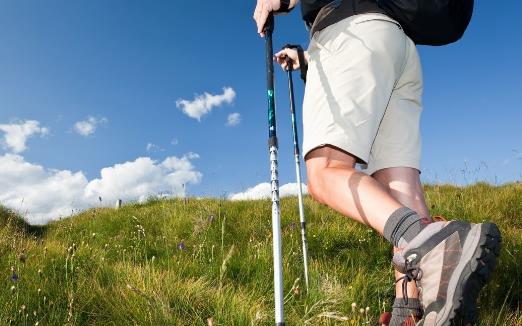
[413,303]
[394,223]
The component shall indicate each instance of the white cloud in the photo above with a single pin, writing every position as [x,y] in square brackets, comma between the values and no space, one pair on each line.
[88,127]
[203,104]
[263,191]
[43,194]
[153,148]
[16,135]
[233,119]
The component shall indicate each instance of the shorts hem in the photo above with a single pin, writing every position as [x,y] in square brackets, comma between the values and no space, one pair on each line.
[344,145]
[403,163]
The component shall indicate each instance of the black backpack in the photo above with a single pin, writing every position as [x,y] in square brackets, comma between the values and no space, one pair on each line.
[430,22]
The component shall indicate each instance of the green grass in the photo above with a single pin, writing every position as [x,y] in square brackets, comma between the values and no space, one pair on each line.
[167,263]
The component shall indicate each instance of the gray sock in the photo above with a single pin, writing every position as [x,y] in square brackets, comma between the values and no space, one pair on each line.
[401,311]
[403,224]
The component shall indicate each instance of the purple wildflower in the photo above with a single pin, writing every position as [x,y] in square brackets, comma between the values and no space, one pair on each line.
[14,277]
[181,246]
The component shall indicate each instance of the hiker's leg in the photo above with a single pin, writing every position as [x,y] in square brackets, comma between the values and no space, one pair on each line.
[333,180]
[404,185]
[352,70]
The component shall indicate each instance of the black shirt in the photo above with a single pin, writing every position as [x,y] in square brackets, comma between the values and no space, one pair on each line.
[319,14]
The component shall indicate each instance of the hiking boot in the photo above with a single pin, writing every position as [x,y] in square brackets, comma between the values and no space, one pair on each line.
[450,262]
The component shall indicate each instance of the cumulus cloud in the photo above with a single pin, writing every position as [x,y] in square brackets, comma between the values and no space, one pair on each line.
[263,191]
[203,104]
[153,148]
[16,134]
[233,119]
[43,194]
[88,127]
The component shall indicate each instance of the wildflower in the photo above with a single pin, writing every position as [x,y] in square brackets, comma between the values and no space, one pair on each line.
[40,272]
[37,324]
[94,234]
[14,277]
[39,291]
[181,246]
[361,311]
[13,288]
[22,307]
[292,226]
[211,218]
[354,305]
[367,309]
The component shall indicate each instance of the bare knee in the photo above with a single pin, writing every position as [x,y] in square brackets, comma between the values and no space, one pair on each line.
[318,163]
[314,182]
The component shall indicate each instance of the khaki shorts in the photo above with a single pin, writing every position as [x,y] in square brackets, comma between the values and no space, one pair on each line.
[363,92]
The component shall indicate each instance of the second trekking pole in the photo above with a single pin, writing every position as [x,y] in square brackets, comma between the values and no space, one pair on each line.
[274,181]
[289,64]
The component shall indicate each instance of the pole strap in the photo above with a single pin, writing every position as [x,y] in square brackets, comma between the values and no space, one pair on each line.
[303,65]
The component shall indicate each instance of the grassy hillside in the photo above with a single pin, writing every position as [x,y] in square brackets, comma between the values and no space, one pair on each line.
[210,263]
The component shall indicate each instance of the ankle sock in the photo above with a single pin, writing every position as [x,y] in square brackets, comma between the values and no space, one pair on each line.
[404,224]
[401,311]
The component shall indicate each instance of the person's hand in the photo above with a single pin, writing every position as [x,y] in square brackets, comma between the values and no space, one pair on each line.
[281,58]
[263,9]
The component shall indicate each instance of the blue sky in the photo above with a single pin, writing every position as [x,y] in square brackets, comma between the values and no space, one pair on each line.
[123,68]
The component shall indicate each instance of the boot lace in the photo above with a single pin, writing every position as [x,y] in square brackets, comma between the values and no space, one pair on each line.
[412,274]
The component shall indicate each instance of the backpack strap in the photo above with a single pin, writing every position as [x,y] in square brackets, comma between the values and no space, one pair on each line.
[303,65]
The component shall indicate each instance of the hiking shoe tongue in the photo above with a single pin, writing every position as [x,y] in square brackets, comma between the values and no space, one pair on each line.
[450,262]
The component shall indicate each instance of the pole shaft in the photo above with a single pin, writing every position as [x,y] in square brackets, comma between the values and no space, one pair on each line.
[298,172]
[274,180]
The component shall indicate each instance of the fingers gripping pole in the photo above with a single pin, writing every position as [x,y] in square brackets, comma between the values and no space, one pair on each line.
[272,144]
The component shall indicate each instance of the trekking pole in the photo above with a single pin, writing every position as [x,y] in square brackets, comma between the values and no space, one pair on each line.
[290,69]
[272,145]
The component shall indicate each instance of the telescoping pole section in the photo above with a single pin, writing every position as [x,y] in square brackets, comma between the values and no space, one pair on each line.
[272,145]
[289,63]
